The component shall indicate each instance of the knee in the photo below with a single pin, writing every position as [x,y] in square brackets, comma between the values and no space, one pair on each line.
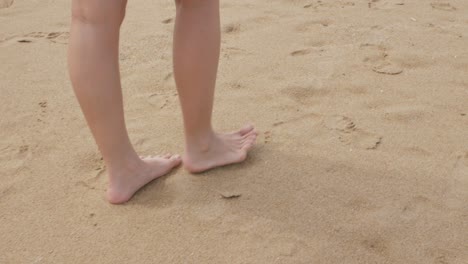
[99,12]
[194,3]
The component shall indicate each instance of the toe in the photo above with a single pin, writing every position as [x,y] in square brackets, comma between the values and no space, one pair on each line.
[243,155]
[247,146]
[252,133]
[249,142]
[251,136]
[175,159]
[246,129]
[167,156]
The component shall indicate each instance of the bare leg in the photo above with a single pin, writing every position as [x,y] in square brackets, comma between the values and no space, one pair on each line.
[94,72]
[196,56]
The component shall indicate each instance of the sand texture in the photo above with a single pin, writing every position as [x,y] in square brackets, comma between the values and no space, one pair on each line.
[362,109]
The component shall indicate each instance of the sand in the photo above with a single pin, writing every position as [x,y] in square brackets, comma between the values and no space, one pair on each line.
[362,157]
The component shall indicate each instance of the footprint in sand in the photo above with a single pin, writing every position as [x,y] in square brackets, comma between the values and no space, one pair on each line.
[301,52]
[229,52]
[349,134]
[443,6]
[415,207]
[14,158]
[93,182]
[328,4]
[377,245]
[162,100]
[388,4]
[457,194]
[169,77]
[442,256]
[309,118]
[6,191]
[232,28]
[262,19]
[360,204]
[95,179]
[361,139]
[357,89]
[236,86]
[370,239]
[43,110]
[279,247]
[167,21]
[387,68]
[303,127]
[286,247]
[43,105]
[377,57]
[305,94]
[159,101]
[267,136]
[372,3]
[6,3]
[55,37]
[342,127]
[406,113]
[144,145]
[340,123]
[417,151]
[410,60]
[58,37]
[373,53]
[312,25]
[318,43]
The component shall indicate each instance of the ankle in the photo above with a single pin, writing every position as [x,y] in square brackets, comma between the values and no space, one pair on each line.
[125,164]
[200,143]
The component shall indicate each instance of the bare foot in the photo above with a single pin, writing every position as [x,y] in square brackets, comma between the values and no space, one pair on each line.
[219,150]
[126,180]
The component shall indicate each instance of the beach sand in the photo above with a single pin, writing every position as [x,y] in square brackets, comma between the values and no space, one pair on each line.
[362,109]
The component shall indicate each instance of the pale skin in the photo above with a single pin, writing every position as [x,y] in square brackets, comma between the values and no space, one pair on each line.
[94,71]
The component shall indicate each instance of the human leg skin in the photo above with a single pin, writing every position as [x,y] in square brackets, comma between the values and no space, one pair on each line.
[196,55]
[94,72]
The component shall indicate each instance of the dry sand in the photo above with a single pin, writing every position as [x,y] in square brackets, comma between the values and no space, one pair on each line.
[363,155]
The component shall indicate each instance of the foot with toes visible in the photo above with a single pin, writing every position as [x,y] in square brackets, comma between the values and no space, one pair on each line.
[127,179]
[219,150]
